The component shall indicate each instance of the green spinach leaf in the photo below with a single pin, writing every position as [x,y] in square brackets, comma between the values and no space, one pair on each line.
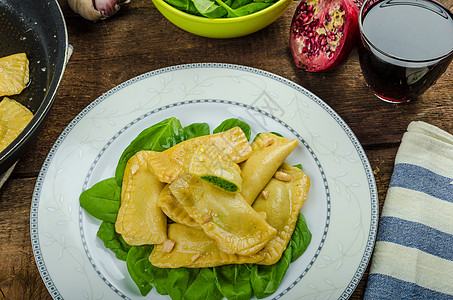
[157,276]
[196,130]
[220,8]
[139,268]
[158,137]
[299,166]
[102,200]
[231,123]
[248,9]
[300,239]
[113,240]
[185,283]
[209,8]
[233,281]
[177,282]
[184,5]
[203,285]
[266,279]
[181,283]
[239,3]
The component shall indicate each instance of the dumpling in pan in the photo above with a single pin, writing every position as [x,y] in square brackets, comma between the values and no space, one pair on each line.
[174,210]
[211,165]
[281,201]
[192,248]
[225,217]
[140,221]
[168,164]
[269,152]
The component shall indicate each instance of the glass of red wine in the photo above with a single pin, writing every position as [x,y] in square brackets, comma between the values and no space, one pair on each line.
[406,45]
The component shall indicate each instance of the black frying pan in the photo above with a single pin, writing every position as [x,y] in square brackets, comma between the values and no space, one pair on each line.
[36,27]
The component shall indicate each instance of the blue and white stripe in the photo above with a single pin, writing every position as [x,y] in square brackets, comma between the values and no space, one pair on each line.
[413,256]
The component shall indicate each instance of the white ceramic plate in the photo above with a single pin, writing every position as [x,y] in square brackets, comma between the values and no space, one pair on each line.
[341,210]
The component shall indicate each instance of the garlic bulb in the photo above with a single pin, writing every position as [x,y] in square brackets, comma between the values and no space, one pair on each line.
[95,10]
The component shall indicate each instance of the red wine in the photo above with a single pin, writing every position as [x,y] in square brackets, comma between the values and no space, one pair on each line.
[406,46]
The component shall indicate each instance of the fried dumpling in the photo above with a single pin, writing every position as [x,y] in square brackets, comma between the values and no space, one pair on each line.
[168,164]
[192,248]
[210,164]
[281,201]
[269,152]
[140,221]
[13,119]
[14,74]
[174,210]
[225,217]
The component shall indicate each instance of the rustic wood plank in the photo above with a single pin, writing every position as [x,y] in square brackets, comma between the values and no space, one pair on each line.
[19,276]
[138,40]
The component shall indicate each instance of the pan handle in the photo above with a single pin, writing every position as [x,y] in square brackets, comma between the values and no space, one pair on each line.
[4,176]
[69,51]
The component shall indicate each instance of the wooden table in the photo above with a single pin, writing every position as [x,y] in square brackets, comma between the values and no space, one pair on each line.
[139,39]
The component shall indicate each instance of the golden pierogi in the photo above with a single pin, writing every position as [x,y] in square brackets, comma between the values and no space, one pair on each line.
[192,248]
[281,201]
[168,164]
[140,220]
[225,217]
[269,152]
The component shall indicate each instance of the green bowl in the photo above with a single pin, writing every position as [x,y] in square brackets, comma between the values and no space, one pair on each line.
[223,27]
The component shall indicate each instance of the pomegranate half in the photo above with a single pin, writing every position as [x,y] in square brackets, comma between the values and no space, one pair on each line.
[323,33]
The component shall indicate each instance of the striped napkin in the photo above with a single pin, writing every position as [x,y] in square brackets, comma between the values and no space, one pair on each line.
[413,256]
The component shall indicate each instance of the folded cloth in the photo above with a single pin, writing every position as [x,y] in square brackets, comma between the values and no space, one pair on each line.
[413,255]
